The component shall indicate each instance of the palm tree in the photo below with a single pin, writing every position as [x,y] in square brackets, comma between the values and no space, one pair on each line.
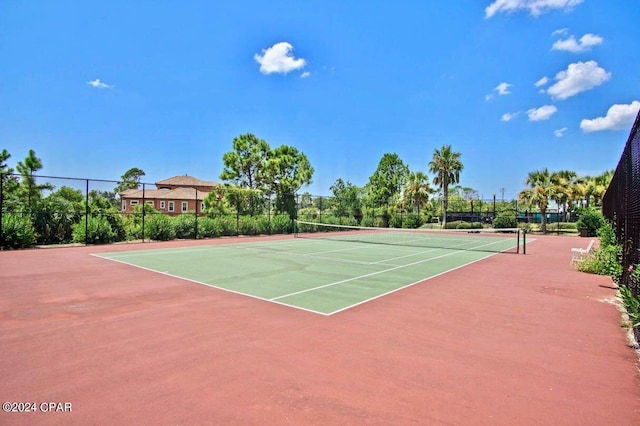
[591,190]
[417,190]
[541,189]
[562,192]
[446,165]
[578,190]
[602,182]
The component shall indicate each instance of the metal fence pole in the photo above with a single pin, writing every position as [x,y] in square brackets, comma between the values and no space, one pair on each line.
[143,211]
[269,214]
[86,215]
[195,236]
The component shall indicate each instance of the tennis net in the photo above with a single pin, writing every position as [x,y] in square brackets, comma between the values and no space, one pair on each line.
[489,240]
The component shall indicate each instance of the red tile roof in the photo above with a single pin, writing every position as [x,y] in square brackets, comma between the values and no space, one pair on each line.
[165,194]
[185,180]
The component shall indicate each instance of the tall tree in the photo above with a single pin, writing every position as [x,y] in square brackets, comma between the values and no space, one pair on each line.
[541,189]
[245,165]
[129,180]
[8,180]
[388,180]
[286,171]
[29,190]
[347,198]
[562,181]
[417,190]
[446,165]
[4,156]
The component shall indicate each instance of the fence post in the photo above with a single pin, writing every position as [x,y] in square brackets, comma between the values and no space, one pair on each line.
[86,215]
[195,236]
[494,205]
[269,214]
[143,211]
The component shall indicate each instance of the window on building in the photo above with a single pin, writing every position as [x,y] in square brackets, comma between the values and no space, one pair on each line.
[150,202]
[162,205]
[171,206]
[184,206]
[124,205]
[134,202]
[202,206]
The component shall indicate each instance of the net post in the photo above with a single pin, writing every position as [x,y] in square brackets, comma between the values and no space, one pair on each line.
[295,228]
[518,242]
[524,241]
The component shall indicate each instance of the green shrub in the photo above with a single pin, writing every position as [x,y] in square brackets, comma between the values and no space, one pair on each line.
[505,221]
[17,231]
[591,220]
[132,230]
[247,225]
[227,225]
[607,235]
[604,261]
[160,227]
[463,225]
[281,224]
[262,225]
[206,228]
[632,305]
[460,224]
[412,221]
[97,231]
[184,225]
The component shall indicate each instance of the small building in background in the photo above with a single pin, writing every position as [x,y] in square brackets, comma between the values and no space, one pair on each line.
[173,196]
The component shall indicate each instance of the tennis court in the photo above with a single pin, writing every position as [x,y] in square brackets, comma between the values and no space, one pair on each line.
[325,272]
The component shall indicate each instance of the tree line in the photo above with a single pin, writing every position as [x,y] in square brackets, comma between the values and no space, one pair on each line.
[253,170]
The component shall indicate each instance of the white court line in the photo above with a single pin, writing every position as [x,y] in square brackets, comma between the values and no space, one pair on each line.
[211,285]
[363,276]
[212,247]
[160,251]
[373,273]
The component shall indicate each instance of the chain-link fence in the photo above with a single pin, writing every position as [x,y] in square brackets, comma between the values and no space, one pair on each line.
[621,205]
[40,210]
[333,210]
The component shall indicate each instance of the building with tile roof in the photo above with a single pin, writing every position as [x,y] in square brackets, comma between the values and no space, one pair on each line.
[173,196]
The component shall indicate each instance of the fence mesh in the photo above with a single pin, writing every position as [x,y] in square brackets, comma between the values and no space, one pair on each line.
[621,204]
[42,210]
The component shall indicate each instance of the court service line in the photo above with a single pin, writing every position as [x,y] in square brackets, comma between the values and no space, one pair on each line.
[409,285]
[372,274]
[363,276]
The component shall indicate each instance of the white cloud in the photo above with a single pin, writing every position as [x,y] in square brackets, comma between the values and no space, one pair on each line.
[572,45]
[305,74]
[535,7]
[98,84]
[619,117]
[509,116]
[502,89]
[560,132]
[278,59]
[577,78]
[561,31]
[543,113]
[544,80]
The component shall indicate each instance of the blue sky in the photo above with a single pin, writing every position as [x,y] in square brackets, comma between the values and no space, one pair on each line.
[98,87]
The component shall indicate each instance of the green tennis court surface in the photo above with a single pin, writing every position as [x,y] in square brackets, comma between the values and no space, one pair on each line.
[318,275]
